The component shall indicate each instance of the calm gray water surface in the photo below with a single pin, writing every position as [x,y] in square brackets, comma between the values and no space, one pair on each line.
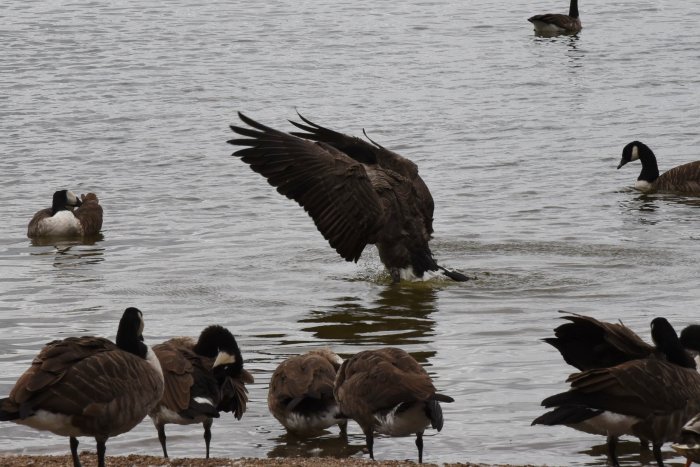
[517,136]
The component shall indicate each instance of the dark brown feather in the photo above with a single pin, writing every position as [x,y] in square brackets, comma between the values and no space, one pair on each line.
[90,215]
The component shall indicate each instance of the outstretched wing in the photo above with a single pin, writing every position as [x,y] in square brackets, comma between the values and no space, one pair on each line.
[331,186]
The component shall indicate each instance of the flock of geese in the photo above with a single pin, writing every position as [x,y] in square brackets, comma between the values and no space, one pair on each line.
[358,193]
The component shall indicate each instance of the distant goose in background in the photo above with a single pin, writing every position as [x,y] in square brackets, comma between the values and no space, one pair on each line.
[551,24]
[357,193]
[650,398]
[389,392]
[300,395]
[60,220]
[88,386]
[684,179]
[202,378]
[689,444]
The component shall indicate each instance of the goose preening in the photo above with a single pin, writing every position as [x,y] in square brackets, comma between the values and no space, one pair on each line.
[551,24]
[689,444]
[389,392]
[61,220]
[357,192]
[683,180]
[203,377]
[650,397]
[88,386]
[300,395]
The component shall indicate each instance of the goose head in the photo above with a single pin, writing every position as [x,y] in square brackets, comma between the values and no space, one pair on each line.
[64,200]
[633,151]
[667,341]
[130,332]
[217,341]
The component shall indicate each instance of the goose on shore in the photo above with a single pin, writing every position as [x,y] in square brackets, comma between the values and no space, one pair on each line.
[61,220]
[300,395]
[203,377]
[650,398]
[689,444]
[551,24]
[387,391]
[683,180]
[357,192]
[88,386]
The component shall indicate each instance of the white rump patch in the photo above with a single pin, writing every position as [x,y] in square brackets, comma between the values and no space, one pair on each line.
[407,423]
[56,423]
[608,424]
[204,400]
[61,224]
[303,424]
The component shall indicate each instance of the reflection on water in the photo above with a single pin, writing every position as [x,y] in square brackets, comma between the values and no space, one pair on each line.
[329,445]
[630,452]
[399,316]
[71,253]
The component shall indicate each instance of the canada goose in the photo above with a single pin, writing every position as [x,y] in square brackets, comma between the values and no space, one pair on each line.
[300,395]
[689,445]
[389,392]
[587,343]
[88,386]
[60,220]
[202,378]
[551,24]
[357,193]
[684,179]
[650,397]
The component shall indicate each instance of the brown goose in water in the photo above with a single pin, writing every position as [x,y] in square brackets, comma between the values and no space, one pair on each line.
[389,392]
[60,220]
[551,24]
[202,378]
[650,398]
[88,386]
[300,395]
[684,179]
[357,193]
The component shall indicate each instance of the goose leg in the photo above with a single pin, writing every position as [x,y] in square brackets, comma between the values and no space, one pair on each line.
[656,449]
[343,425]
[419,445]
[101,450]
[612,444]
[74,451]
[161,438]
[207,433]
[369,440]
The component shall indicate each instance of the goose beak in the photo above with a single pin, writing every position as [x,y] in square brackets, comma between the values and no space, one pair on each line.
[622,162]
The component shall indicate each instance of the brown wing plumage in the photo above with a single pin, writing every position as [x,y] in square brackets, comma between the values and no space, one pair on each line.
[33,229]
[89,214]
[234,394]
[331,186]
[684,179]
[559,20]
[375,380]
[91,379]
[177,373]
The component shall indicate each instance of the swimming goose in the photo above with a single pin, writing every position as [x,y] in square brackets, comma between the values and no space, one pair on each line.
[357,193]
[389,392]
[88,386]
[300,395]
[650,398]
[202,378]
[60,220]
[551,24]
[689,445]
[684,179]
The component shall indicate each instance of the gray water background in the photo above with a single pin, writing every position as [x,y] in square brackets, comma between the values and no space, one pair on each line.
[518,138]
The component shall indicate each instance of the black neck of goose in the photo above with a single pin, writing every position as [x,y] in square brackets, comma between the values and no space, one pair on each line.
[573,9]
[667,341]
[59,202]
[129,336]
[650,170]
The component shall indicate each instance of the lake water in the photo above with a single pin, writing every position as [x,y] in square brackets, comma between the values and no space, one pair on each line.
[518,138]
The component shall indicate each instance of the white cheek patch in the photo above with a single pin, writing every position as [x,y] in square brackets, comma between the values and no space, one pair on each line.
[224,358]
[635,153]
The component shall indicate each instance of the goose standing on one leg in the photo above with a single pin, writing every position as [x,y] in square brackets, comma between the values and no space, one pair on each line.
[551,24]
[683,180]
[88,386]
[389,392]
[60,220]
[202,378]
[300,395]
[357,193]
[650,398]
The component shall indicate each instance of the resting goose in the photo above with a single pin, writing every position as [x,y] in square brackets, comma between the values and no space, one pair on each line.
[684,179]
[202,378]
[300,395]
[551,24]
[88,386]
[60,220]
[650,398]
[357,193]
[389,392]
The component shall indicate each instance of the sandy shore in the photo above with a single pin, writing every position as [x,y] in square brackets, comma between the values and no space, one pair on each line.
[89,459]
